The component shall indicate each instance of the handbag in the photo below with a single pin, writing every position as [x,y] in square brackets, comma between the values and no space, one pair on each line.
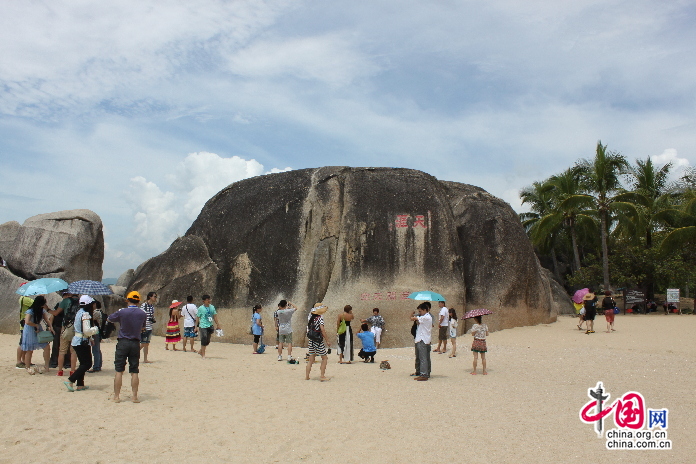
[617,310]
[342,327]
[45,336]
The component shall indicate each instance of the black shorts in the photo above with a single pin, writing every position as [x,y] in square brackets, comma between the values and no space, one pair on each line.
[257,338]
[205,335]
[127,349]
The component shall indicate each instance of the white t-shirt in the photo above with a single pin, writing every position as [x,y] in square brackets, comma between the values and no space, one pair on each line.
[453,328]
[189,312]
[425,326]
[444,312]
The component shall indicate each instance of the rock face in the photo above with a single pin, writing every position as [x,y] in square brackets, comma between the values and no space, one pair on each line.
[67,244]
[126,278]
[361,236]
[8,234]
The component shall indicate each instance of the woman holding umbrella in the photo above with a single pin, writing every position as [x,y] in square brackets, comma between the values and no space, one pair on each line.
[479,331]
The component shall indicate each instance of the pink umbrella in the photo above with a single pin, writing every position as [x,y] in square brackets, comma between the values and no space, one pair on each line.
[477,312]
[577,297]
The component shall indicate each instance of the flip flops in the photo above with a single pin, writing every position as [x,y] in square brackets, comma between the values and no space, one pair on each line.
[68,386]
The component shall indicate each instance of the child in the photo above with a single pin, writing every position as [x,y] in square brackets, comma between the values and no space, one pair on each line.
[479,331]
[453,331]
[367,338]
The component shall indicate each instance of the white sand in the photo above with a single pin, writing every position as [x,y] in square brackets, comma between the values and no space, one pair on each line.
[239,407]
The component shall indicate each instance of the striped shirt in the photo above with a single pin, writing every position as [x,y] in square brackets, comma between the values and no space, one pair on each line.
[150,311]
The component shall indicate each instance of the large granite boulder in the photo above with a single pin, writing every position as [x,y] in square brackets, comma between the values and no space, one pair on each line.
[360,236]
[67,244]
[8,234]
[126,278]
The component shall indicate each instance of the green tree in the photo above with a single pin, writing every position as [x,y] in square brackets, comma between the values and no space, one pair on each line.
[600,179]
[566,185]
[539,199]
[654,208]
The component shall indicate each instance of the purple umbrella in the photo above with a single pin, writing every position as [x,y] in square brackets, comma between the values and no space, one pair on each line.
[577,297]
[477,312]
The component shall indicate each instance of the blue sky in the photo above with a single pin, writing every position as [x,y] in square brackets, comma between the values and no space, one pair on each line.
[142,110]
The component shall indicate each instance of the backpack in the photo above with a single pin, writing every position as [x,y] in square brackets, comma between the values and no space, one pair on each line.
[312,333]
[70,313]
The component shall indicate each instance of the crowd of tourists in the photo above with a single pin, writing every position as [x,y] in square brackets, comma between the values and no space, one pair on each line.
[76,326]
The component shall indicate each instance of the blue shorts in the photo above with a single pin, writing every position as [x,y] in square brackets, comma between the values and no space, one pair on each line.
[145,336]
[189,332]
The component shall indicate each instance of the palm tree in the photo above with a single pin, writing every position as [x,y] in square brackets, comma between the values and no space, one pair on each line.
[600,178]
[564,186]
[539,199]
[653,198]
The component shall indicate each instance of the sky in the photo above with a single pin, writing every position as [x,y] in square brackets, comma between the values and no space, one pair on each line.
[142,110]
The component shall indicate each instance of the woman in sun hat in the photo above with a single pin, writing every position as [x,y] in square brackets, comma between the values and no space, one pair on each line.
[317,345]
[590,302]
[173,335]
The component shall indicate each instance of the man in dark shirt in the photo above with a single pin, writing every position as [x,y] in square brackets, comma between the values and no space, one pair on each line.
[131,322]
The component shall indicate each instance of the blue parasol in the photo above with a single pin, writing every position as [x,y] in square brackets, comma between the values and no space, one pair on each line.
[42,286]
[426,296]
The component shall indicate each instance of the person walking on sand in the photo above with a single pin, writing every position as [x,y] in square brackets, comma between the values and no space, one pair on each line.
[257,327]
[453,324]
[345,335]
[189,312]
[608,304]
[146,335]
[479,331]
[82,343]
[317,341]
[423,340]
[131,322]
[590,303]
[285,312]
[205,317]
[443,332]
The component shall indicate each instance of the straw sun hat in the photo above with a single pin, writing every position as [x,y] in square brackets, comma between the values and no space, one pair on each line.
[319,308]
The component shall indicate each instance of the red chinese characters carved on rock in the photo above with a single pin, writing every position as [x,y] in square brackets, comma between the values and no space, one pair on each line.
[380,296]
[401,221]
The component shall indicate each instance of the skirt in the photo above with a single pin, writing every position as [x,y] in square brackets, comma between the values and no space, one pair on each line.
[479,346]
[317,348]
[609,315]
[345,344]
[173,334]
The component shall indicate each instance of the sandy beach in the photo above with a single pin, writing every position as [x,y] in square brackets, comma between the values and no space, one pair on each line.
[239,407]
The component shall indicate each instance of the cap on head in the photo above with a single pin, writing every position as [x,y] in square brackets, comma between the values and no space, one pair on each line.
[133,296]
[86,300]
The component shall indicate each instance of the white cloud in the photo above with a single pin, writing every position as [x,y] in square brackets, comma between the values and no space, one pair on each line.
[161,214]
[331,59]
